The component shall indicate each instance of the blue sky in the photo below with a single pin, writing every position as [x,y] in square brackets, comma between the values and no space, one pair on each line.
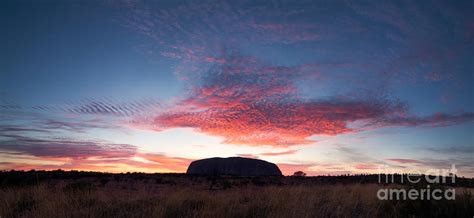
[326,87]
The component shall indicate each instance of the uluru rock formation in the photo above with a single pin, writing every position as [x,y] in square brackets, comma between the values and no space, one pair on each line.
[235,166]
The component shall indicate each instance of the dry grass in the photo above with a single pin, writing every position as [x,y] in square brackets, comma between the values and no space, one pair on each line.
[149,198]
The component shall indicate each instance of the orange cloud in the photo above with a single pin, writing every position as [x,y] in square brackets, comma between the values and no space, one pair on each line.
[173,164]
[152,163]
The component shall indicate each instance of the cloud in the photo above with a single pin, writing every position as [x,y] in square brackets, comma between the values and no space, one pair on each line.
[161,163]
[194,32]
[250,102]
[172,164]
[90,106]
[367,166]
[59,148]
[403,161]
[456,150]
[77,126]
[76,117]
[353,154]
[435,120]
[109,106]
[68,154]
[423,54]
[16,128]
[210,21]
[248,156]
[285,32]
[462,161]
[256,156]
[279,153]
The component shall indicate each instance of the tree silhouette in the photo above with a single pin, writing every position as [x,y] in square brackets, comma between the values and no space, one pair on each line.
[299,173]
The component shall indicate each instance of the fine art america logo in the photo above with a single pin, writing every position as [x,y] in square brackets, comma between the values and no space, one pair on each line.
[425,185]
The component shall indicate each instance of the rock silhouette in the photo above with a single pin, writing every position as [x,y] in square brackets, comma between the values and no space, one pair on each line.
[235,166]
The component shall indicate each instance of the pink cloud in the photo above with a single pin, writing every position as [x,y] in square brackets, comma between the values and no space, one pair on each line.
[248,156]
[279,153]
[249,102]
[367,166]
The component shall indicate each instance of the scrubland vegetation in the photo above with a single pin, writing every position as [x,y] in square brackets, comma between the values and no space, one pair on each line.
[60,194]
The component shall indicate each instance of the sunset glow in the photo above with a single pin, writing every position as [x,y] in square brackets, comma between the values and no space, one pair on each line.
[325,87]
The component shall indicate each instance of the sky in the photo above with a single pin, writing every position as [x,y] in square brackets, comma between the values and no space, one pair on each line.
[326,87]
